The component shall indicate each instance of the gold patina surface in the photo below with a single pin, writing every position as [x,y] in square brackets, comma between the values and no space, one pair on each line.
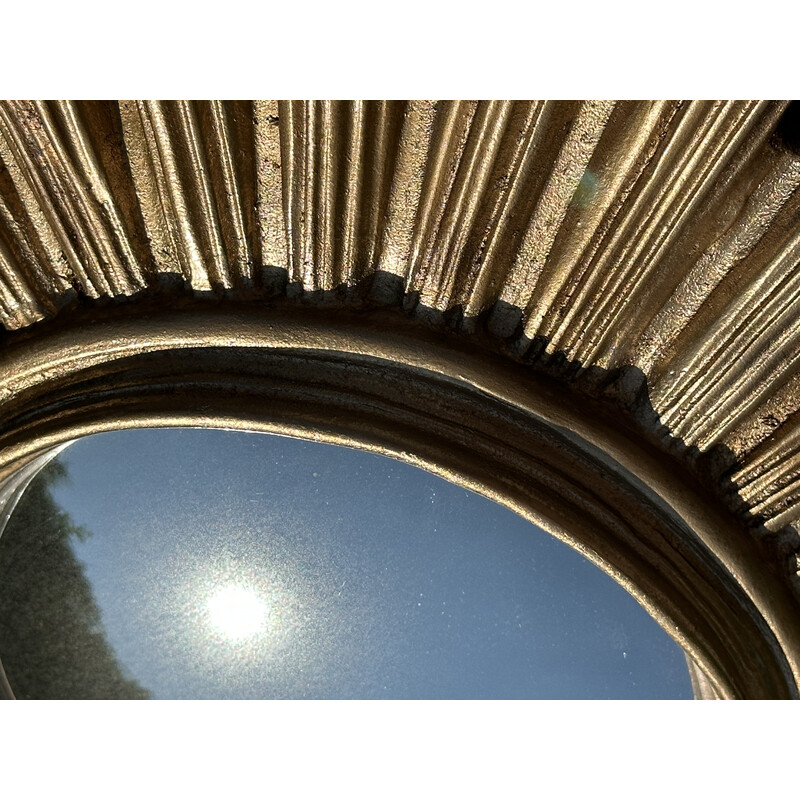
[623,275]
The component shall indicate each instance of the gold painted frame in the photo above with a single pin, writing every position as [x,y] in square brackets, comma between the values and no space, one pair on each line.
[383,383]
[584,310]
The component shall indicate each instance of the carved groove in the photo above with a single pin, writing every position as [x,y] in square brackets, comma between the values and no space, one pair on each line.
[660,236]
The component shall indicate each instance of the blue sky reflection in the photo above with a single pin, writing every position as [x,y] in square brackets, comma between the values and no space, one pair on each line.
[238,565]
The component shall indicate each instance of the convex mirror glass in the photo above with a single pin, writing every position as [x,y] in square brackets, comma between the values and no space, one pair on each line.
[183,563]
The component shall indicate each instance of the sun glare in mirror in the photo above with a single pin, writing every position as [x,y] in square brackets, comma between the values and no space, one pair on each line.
[211,564]
[237,612]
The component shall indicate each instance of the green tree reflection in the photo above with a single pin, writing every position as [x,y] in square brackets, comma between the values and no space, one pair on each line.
[52,642]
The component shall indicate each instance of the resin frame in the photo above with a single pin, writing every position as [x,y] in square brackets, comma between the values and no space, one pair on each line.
[584,311]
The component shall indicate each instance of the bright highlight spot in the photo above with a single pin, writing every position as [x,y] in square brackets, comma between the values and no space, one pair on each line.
[237,612]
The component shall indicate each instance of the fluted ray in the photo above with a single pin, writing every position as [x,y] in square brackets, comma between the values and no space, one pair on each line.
[551,208]
[770,468]
[47,259]
[757,429]
[736,244]
[164,208]
[628,273]
[447,147]
[406,187]
[736,350]
[230,182]
[633,133]
[656,244]
[182,204]
[506,198]
[273,229]
[443,255]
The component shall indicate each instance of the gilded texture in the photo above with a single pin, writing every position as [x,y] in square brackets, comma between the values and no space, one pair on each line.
[657,236]
[385,383]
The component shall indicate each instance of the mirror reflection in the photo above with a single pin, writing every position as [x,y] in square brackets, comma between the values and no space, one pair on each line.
[213,564]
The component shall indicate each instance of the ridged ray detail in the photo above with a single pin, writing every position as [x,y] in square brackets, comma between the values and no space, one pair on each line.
[661,237]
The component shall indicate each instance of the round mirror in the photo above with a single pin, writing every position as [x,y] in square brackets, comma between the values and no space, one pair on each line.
[184,563]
